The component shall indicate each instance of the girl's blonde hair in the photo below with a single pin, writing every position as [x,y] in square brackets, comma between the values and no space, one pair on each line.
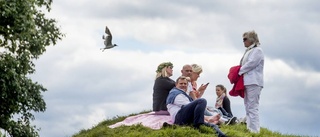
[162,69]
[196,68]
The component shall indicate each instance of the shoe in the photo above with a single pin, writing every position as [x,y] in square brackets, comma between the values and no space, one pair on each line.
[166,125]
[243,120]
[237,122]
[231,121]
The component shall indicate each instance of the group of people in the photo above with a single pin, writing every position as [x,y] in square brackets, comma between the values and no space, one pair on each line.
[182,99]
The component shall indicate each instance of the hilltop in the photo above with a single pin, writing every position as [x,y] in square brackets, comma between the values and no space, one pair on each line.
[102,130]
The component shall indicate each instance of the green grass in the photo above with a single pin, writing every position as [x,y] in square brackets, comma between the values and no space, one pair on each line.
[102,130]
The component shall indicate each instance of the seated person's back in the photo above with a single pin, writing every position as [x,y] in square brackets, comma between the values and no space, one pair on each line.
[162,85]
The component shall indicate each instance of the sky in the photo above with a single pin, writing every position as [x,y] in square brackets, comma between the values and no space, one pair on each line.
[86,86]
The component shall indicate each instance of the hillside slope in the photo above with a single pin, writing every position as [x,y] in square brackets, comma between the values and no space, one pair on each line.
[102,130]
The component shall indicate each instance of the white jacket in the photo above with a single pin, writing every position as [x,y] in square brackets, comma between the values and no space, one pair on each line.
[252,67]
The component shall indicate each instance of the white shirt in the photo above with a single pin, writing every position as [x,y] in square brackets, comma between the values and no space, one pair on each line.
[245,56]
[176,106]
[189,88]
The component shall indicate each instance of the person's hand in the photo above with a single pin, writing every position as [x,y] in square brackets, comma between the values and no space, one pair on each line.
[201,89]
[193,95]
[238,77]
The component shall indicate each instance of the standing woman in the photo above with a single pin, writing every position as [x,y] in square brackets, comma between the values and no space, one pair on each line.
[162,85]
[252,64]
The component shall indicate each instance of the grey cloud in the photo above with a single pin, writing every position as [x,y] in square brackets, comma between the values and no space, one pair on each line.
[80,94]
[292,17]
[92,82]
[295,47]
[285,106]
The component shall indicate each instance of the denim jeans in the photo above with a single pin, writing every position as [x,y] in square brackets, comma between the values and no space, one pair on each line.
[207,113]
[216,128]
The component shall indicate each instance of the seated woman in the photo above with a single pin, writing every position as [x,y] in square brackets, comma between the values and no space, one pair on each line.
[162,85]
[197,92]
[223,105]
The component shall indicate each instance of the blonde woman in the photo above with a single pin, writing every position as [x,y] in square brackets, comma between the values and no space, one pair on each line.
[162,85]
[251,68]
[197,92]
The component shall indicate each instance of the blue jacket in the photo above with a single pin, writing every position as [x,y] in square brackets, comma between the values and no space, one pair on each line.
[173,93]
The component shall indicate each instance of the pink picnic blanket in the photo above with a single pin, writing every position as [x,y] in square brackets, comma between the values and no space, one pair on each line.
[150,120]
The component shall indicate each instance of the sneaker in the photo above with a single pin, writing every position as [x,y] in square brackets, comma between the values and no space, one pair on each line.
[211,109]
[166,125]
[237,121]
[231,121]
[243,120]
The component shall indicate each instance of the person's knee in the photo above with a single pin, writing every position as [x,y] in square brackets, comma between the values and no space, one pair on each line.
[202,101]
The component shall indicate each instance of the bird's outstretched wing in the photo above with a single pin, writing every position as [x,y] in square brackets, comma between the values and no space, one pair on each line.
[107,31]
[108,39]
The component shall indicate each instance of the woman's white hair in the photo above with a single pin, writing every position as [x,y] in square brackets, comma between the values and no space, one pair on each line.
[252,36]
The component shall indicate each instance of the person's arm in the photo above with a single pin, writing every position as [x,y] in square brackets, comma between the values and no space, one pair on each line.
[254,58]
[201,90]
[226,105]
[193,95]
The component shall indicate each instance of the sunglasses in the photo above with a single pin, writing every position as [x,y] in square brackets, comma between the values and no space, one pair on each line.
[245,39]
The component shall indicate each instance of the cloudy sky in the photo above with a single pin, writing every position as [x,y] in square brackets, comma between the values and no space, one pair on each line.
[86,86]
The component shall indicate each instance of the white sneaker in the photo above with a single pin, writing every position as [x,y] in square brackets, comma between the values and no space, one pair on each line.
[243,120]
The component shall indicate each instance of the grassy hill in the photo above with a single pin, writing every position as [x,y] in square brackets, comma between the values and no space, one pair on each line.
[102,130]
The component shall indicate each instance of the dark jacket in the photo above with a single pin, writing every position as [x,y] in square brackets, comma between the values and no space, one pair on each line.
[161,88]
[226,106]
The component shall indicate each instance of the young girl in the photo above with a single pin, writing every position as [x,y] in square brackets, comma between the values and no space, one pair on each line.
[223,101]
[223,104]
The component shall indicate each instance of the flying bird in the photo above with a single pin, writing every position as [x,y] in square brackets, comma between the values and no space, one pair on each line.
[108,40]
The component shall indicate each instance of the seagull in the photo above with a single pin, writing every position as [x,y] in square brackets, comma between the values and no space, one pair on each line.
[108,40]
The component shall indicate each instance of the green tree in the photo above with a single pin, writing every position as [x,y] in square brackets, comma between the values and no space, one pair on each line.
[25,33]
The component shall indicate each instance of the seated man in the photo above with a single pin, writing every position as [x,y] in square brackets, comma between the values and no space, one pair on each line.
[184,110]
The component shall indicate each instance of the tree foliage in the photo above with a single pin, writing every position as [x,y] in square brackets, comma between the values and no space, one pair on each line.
[25,33]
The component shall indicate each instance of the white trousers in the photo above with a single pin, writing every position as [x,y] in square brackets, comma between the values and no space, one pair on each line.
[251,103]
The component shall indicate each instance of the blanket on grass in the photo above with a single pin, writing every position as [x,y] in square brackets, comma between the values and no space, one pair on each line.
[150,120]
